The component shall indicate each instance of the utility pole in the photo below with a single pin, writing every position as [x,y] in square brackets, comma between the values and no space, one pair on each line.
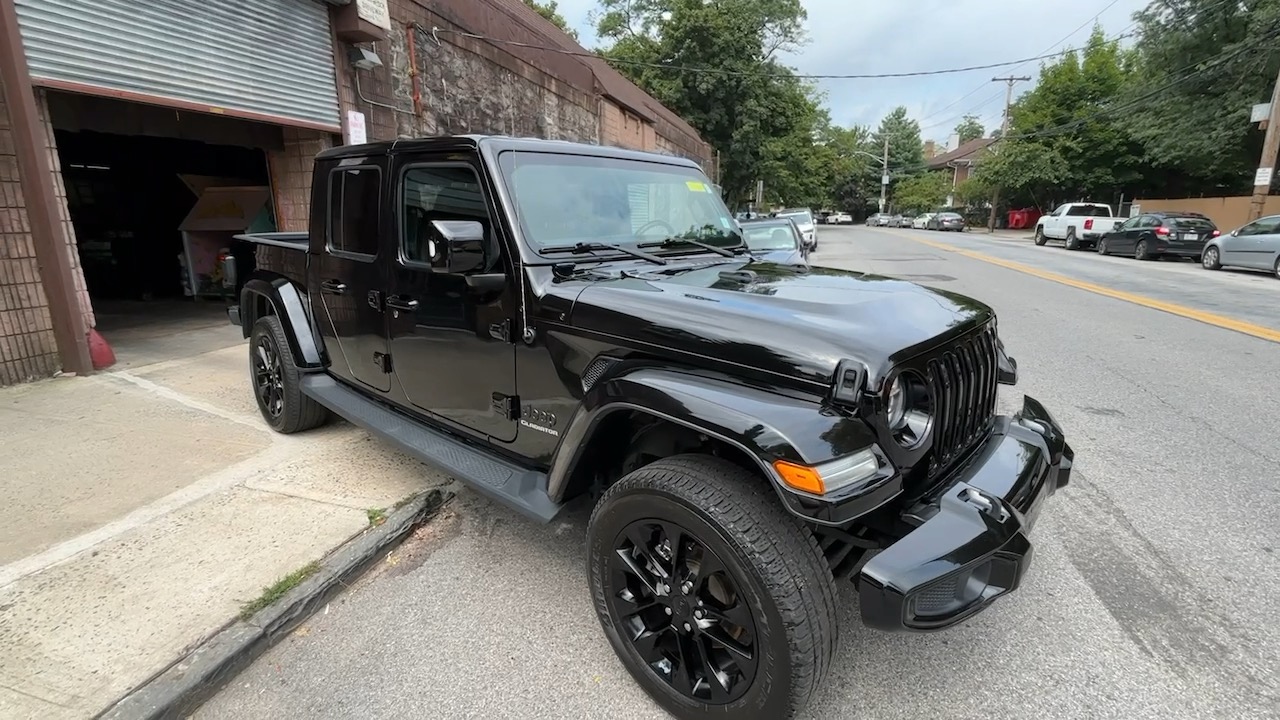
[884,175]
[1004,130]
[1266,166]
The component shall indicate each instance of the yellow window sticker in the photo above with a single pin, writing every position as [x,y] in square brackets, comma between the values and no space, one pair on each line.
[696,186]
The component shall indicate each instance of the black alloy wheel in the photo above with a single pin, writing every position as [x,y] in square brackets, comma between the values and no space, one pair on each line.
[718,603]
[268,376]
[683,612]
[277,381]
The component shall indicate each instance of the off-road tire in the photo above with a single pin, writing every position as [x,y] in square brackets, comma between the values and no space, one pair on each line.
[1142,251]
[770,554]
[1040,238]
[1072,242]
[300,412]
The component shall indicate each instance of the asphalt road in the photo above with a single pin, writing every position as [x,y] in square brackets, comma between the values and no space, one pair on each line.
[1154,594]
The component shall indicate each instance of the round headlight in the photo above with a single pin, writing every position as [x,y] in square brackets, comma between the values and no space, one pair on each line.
[897,405]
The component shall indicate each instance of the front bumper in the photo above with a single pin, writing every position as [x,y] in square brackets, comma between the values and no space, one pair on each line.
[971,546]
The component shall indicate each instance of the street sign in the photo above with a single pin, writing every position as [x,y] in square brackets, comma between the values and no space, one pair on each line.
[1262,177]
[884,179]
[1260,112]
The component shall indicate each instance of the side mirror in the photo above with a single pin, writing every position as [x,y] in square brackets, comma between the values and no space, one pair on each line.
[1117,225]
[1235,232]
[457,247]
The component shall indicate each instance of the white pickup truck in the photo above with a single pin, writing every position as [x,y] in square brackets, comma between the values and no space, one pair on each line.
[1077,225]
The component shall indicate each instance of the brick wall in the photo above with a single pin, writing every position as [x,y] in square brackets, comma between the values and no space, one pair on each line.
[291,176]
[28,349]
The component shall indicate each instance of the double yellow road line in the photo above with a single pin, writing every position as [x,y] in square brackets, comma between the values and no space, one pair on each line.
[1208,318]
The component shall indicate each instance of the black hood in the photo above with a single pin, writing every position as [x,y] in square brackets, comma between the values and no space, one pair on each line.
[789,321]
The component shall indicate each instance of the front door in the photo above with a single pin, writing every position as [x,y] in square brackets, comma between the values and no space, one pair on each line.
[350,276]
[1249,247]
[451,343]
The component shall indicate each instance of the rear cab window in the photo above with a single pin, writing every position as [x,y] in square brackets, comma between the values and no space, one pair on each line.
[354,210]
[1089,211]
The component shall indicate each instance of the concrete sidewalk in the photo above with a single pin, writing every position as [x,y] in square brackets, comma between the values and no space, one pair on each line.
[144,507]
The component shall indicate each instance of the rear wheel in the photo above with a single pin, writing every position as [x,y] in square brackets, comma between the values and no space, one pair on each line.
[716,600]
[1142,252]
[276,381]
[1072,243]
[1040,238]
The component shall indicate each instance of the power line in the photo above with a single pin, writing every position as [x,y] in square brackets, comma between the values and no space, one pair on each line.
[1135,102]
[436,31]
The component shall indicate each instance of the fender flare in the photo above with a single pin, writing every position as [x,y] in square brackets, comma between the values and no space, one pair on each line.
[764,425]
[289,303]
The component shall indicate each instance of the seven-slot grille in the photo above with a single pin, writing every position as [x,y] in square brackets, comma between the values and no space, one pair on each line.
[962,382]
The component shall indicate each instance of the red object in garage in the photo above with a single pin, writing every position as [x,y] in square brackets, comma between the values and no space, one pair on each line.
[100,352]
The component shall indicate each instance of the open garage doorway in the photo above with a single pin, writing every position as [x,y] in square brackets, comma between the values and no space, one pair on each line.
[133,176]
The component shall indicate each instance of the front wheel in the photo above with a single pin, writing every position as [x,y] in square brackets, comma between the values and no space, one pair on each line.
[1040,238]
[1102,246]
[717,601]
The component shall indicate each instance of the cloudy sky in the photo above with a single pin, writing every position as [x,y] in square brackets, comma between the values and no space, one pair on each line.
[864,37]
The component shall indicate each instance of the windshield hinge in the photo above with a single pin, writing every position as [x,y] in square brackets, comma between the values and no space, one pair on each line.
[501,331]
[383,361]
[508,406]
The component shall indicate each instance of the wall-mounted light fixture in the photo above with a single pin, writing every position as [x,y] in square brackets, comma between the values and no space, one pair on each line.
[363,59]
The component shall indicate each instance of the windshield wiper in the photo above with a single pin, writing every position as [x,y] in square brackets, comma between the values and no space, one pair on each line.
[674,241]
[586,247]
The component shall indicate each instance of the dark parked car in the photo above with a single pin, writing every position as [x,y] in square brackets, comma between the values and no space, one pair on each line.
[760,441]
[775,240]
[946,221]
[1151,236]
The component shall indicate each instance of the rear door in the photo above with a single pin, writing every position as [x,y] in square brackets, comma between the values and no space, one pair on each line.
[350,272]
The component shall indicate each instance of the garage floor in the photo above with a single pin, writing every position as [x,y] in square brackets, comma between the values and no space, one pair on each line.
[148,332]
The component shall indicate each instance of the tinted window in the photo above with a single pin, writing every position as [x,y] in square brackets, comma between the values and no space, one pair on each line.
[1148,221]
[1089,210]
[353,210]
[438,193]
[1191,223]
[1265,226]
[1130,223]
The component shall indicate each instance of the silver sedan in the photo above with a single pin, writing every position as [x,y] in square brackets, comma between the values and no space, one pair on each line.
[1255,246]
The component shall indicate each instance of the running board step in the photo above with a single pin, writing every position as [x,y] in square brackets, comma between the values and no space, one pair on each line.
[513,486]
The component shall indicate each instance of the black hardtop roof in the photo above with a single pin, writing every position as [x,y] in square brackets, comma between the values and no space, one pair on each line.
[498,143]
[1176,214]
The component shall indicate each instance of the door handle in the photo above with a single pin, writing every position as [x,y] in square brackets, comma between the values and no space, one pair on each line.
[333,287]
[401,303]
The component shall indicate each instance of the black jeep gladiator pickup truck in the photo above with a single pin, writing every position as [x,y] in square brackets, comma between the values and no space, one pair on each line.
[546,321]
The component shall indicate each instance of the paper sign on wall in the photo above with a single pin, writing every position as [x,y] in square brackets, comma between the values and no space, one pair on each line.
[1262,177]
[374,11]
[356,134]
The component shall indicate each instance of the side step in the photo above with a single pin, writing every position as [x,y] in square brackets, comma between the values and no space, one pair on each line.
[514,486]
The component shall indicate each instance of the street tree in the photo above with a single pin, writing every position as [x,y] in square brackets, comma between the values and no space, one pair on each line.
[922,193]
[1189,108]
[716,64]
[970,129]
[550,10]
[906,149]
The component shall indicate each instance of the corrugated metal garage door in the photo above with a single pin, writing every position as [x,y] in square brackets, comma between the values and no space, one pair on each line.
[269,60]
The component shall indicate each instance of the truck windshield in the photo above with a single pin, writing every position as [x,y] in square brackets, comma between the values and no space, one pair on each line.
[563,199]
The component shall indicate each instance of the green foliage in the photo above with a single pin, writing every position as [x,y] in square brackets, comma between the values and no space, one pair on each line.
[906,149]
[761,118]
[1199,129]
[922,193]
[551,11]
[970,129]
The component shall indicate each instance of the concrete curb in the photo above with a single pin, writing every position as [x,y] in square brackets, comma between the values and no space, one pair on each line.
[179,690]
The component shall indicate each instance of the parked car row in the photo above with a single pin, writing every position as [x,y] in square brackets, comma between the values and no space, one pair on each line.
[926,221]
[1157,235]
